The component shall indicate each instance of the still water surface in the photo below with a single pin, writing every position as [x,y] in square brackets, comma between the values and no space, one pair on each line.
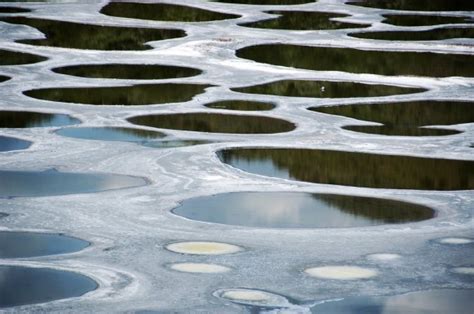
[354,168]
[299,210]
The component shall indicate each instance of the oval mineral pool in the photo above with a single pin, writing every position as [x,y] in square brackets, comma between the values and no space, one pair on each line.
[215,123]
[424,20]
[303,20]
[243,105]
[51,183]
[11,143]
[405,118]
[27,119]
[13,10]
[299,210]
[384,257]
[147,138]
[257,301]
[163,12]
[464,270]
[441,301]
[456,241]
[174,143]
[245,295]
[435,34]
[400,130]
[325,89]
[9,57]
[361,61]
[354,168]
[97,37]
[135,95]
[418,5]
[26,285]
[267,2]
[31,244]
[341,272]
[203,248]
[128,71]
[111,134]
[199,268]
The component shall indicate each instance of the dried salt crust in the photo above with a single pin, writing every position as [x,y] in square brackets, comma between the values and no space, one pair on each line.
[341,272]
[203,248]
[254,297]
[385,257]
[464,270]
[246,295]
[199,268]
[456,241]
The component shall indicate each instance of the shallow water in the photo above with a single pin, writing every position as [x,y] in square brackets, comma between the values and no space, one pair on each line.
[10,143]
[436,34]
[111,134]
[163,12]
[431,301]
[135,95]
[31,244]
[147,138]
[299,210]
[361,61]
[97,37]
[396,130]
[10,57]
[405,118]
[419,5]
[51,183]
[354,169]
[215,123]
[174,143]
[13,10]
[424,20]
[303,20]
[28,119]
[128,71]
[266,2]
[241,105]
[24,285]
[438,301]
[325,89]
